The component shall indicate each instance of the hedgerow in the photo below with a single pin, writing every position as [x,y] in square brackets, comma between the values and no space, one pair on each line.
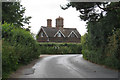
[18,47]
[60,48]
[101,44]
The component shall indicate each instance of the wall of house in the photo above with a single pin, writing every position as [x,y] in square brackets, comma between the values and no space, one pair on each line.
[43,39]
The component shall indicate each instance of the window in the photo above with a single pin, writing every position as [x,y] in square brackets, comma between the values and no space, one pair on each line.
[72,35]
[41,34]
[59,34]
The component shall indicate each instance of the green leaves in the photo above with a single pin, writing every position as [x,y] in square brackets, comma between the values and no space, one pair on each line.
[89,11]
[102,42]
[18,47]
[13,13]
[60,48]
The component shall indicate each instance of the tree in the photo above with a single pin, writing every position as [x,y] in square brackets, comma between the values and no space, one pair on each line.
[101,44]
[92,11]
[13,13]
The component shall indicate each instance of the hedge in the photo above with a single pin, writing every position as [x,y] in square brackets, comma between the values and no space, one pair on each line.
[60,48]
[18,47]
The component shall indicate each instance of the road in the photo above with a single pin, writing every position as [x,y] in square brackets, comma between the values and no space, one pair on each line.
[66,66]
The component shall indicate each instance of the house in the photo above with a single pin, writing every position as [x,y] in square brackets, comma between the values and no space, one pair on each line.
[58,33]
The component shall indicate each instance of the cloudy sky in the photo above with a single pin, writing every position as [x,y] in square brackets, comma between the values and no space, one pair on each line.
[41,10]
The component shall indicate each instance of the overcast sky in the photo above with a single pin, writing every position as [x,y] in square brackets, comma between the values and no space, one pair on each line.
[41,10]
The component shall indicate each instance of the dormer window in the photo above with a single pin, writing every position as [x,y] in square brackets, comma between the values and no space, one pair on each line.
[41,34]
[72,35]
[59,34]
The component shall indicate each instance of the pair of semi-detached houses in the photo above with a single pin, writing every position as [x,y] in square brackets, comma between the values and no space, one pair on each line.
[58,33]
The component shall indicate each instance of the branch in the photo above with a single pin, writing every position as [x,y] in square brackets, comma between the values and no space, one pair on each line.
[105,9]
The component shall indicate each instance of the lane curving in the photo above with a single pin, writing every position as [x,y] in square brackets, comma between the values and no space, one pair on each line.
[68,66]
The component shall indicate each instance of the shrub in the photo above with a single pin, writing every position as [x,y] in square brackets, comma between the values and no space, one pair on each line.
[60,48]
[113,50]
[19,47]
[25,44]
[6,31]
[9,58]
[109,56]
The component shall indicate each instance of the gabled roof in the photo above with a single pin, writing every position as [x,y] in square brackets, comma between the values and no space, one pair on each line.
[73,33]
[67,31]
[51,31]
[58,32]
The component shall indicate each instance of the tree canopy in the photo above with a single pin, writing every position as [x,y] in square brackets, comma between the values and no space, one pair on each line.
[13,13]
[92,11]
[101,43]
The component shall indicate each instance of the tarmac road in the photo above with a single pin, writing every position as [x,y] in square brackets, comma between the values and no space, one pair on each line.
[66,66]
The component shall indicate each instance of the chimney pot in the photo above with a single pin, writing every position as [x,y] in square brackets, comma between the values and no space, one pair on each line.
[59,22]
[49,23]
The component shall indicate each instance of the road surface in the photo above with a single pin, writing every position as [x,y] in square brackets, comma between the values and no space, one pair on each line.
[66,66]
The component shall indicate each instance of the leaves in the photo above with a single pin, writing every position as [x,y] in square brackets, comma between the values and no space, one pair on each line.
[13,13]
[18,47]
[89,11]
[101,43]
[56,48]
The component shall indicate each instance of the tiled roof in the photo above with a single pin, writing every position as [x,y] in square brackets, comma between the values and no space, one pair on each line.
[51,31]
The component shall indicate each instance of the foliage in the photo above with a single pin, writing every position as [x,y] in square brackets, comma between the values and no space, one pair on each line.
[9,58]
[92,11]
[13,13]
[60,48]
[101,43]
[19,47]
[88,10]
[6,30]
[113,50]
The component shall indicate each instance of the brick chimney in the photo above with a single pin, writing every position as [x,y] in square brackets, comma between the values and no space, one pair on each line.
[59,22]
[49,23]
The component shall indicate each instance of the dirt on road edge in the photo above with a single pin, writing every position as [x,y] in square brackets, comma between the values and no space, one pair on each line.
[19,71]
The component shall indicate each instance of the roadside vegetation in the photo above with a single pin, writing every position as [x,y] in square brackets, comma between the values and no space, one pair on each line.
[101,43]
[60,48]
[18,45]
[18,48]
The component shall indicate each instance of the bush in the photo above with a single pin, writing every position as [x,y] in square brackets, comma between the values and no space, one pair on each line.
[113,51]
[6,31]
[9,58]
[25,44]
[60,48]
[109,56]
[19,47]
